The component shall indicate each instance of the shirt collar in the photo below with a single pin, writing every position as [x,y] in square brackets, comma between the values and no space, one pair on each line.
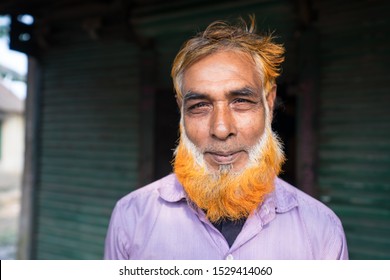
[171,190]
[285,196]
[281,200]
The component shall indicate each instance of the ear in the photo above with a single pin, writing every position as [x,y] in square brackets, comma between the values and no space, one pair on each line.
[271,98]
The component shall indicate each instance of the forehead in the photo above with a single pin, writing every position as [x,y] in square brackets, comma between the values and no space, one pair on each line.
[221,71]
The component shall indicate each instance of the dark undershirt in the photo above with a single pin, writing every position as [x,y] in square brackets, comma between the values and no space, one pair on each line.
[230,229]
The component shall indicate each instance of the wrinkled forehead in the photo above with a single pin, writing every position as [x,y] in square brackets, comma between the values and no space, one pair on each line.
[249,61]
[229,66]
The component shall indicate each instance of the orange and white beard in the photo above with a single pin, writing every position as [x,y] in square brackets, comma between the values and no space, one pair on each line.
[228,194]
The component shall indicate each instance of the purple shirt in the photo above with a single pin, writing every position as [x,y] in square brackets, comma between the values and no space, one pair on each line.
[156,222]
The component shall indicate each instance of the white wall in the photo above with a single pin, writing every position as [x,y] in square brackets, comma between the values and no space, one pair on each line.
[12,150]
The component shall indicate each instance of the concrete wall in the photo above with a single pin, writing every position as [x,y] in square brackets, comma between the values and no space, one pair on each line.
[12,144]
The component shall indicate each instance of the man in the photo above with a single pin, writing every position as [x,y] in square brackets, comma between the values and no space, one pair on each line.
[224,200]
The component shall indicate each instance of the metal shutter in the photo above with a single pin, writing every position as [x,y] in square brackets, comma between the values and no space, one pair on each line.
[171,24]
[354,132]
[89,145]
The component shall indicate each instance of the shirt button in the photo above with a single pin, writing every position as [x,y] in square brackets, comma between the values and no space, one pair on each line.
[229,257]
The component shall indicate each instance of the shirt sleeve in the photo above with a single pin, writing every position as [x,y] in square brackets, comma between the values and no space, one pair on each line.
[338,249]
[116,244]
[343,255]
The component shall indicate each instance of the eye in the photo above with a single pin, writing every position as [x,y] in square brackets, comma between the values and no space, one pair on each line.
[198,108]
[243,104]
[242,100]
[197,105]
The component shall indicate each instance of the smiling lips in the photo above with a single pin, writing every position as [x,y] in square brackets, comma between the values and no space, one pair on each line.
[224,158]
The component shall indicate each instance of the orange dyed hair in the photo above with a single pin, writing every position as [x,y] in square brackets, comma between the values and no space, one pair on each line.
[230,196]
[220,35]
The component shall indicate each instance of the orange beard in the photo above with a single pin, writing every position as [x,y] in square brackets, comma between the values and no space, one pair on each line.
[225,194]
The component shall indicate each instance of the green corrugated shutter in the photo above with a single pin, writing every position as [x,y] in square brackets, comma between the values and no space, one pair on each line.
[89,144]
[173,23]
[354,173]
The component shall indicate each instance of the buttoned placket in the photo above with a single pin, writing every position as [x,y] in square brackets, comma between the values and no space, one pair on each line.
[219,241]
[254,225]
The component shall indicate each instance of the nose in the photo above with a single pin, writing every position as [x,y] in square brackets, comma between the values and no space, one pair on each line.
[222,124]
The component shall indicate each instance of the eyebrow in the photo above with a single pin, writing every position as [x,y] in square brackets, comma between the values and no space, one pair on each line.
[245,91]
[191,95]
[241,92]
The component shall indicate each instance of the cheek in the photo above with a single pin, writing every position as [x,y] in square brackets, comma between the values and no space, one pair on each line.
[252,128]
[196,131]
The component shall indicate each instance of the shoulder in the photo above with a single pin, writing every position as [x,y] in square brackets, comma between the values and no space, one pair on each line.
[322,226]
[150,192]
[288,196]
[134,216]
[142,206]
[164,190]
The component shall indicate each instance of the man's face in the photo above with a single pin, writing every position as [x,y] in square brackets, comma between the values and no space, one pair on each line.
[223,108]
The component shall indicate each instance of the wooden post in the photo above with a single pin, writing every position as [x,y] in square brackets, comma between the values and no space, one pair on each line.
[29,180]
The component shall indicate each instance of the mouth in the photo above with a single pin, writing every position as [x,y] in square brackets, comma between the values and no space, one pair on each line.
[224,158]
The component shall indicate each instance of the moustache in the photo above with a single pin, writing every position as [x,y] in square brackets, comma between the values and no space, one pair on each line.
[224,149]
